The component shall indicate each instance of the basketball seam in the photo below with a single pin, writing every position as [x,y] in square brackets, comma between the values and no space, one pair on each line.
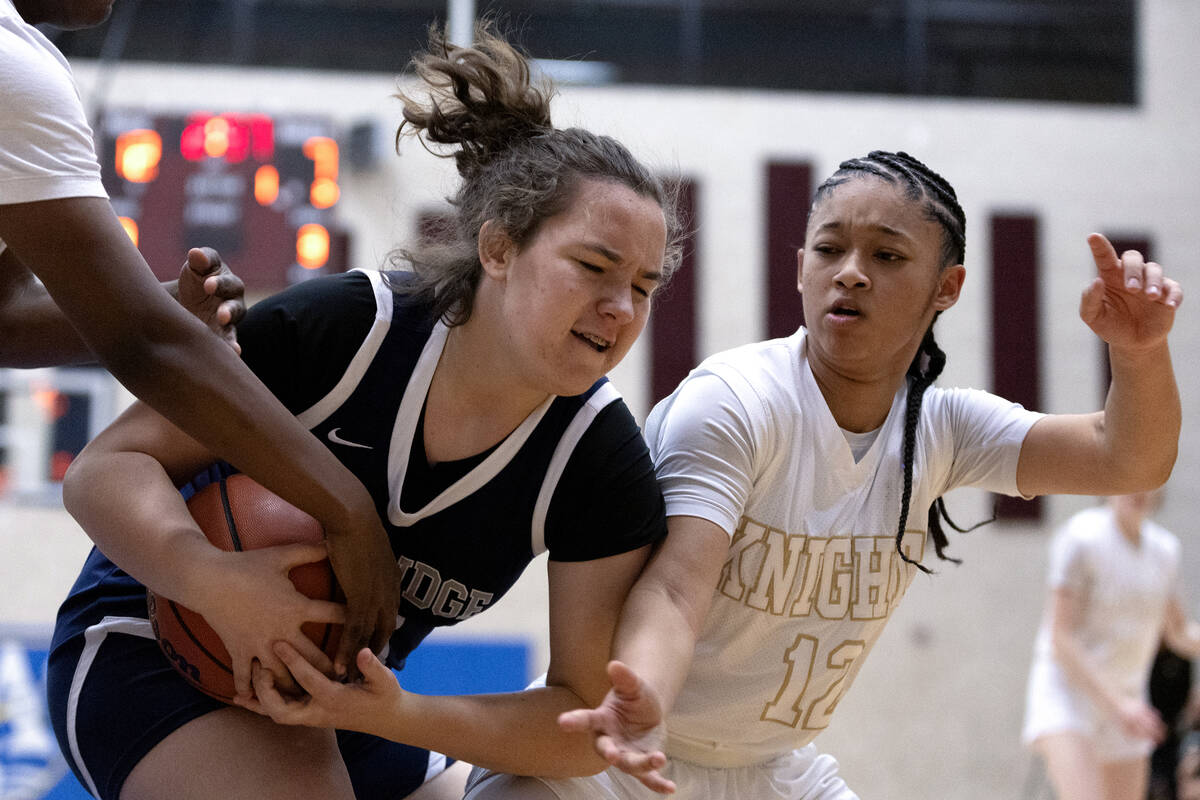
[203,654]
[183,624]
[233,532]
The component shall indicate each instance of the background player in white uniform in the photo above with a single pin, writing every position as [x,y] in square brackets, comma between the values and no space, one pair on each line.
[784,465]
[470,397]
[1113,581]
[72,284]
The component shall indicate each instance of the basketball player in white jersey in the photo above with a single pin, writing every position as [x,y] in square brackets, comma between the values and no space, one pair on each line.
[1113,595]
[790,468]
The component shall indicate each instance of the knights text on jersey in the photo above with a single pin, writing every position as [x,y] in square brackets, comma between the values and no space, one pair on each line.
[812,575]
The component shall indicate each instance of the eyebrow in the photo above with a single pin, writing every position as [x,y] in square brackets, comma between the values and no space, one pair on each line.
[886,229]
[649,274]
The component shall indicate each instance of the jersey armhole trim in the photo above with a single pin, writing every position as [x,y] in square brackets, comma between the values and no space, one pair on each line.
[331,402]
[604,396]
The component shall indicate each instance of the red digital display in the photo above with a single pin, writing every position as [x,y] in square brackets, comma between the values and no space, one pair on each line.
[259,189]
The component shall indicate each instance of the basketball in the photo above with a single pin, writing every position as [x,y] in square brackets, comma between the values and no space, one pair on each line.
[237,513]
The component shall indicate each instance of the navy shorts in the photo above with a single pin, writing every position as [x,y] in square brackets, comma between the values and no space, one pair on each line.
[113,695]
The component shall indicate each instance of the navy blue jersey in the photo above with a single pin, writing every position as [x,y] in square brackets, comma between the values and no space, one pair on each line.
[354,361]
[462,532]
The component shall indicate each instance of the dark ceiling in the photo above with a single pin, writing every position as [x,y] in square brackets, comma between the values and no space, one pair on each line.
[1022,49]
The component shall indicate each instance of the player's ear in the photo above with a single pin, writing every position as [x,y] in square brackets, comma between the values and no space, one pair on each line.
[950,283]
[496,249]
[800,270]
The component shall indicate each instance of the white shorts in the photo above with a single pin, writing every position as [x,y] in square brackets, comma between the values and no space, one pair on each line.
[801,774]
[1054,705]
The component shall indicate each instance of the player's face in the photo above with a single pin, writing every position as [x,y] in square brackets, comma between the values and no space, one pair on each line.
[872,277]
[577,295]
[69,14]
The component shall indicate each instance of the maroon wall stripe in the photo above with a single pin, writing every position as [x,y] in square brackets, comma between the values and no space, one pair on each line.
[789,192]
[1016,333]
[673,319]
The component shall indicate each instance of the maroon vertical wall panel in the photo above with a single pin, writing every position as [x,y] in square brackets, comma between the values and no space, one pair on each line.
[673,318]
[789,192]
[1016,333]
[1120,244]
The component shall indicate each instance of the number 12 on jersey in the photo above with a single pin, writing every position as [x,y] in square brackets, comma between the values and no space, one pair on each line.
[789,703]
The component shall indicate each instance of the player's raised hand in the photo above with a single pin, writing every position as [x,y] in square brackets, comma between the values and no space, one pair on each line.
[210,291]
[627,728]
[1131,304]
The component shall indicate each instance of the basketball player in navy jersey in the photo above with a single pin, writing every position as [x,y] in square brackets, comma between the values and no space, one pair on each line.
[468,395]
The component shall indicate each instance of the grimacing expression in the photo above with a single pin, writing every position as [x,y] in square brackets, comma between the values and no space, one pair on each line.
[577,295]
[872,277]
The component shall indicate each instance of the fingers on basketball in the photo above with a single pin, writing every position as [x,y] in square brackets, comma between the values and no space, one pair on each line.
[236,513]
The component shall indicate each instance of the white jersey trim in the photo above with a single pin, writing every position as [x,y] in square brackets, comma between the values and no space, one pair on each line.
[406,427]
[93,637]
[601,399]
[331,402]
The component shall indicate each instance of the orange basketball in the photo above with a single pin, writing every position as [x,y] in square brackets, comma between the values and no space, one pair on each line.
[238,514]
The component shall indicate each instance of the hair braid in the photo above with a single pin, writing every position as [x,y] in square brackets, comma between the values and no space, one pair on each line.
[941,205]
[924,370]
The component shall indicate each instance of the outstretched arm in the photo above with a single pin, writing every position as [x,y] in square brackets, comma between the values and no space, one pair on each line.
[1131,445]
[165,356]
[513,732]
[34,332]
[653,649]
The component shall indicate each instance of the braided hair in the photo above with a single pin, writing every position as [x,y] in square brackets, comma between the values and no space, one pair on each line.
[940,204]
[517,169]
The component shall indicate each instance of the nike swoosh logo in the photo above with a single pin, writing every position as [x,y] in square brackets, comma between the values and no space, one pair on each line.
[333,437]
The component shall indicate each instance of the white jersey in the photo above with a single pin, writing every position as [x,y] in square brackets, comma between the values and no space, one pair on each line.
[748,442]
[46,146]
[1122,589]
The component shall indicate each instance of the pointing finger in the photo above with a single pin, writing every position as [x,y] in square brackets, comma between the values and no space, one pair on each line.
[1103,254]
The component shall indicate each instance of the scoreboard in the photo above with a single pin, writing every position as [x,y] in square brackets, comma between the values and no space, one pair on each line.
[260,189]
